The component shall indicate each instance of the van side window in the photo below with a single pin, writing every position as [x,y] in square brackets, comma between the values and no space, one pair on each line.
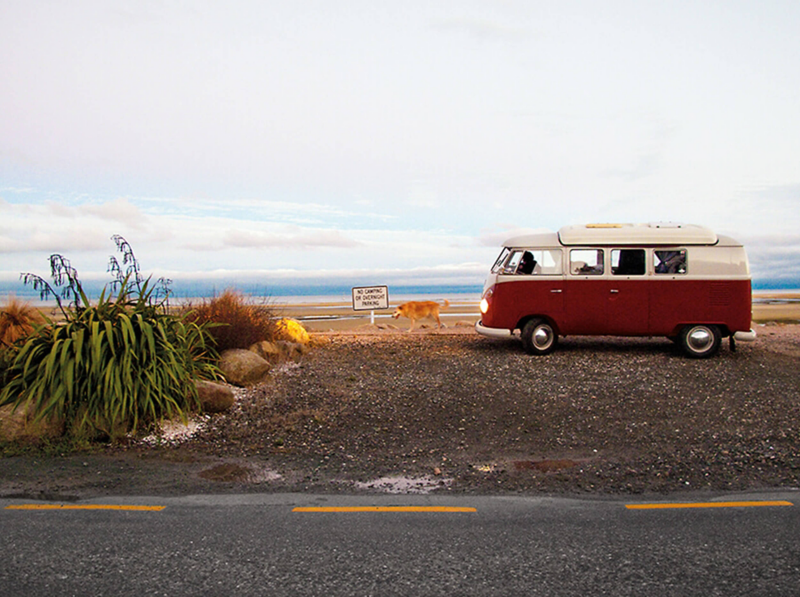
[548,262]
[586,262]
[670,261]
[628,262]
[528,262]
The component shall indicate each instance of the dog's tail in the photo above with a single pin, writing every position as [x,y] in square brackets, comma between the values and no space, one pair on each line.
[446,304]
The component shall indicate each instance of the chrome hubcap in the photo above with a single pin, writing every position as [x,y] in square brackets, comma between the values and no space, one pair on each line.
[700,339]
[542,337]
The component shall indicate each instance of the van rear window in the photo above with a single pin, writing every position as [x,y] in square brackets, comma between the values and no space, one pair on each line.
[670,261]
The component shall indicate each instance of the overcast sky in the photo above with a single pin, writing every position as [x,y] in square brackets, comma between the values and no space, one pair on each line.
[388,141]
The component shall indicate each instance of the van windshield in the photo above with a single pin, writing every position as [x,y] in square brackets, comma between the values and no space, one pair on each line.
[498,264]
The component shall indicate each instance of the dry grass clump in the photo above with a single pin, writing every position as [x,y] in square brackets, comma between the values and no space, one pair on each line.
[237,324]
[17,321]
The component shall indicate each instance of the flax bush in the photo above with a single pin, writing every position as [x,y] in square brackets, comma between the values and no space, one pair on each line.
[113,366]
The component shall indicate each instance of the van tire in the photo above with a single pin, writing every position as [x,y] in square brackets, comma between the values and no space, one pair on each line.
[538,337]
[700,341]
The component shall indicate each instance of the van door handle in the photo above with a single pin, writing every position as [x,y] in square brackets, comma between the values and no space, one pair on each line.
[614,291]
[555,290]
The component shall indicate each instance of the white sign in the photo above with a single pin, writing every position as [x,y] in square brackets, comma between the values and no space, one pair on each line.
[367,298]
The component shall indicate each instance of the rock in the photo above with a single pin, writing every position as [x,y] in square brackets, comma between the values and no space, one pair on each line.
[214,397]
[291,330]
[292,351]
[269,351]
[242,367]
[18,425]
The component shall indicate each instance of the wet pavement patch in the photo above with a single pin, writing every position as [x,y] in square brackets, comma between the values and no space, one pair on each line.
[226,472]
[400,484]
[229,472]
[544,466]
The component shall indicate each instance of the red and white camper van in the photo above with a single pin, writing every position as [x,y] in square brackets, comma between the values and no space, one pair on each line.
[676,280]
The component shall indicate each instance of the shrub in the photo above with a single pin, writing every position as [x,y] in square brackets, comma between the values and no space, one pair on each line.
[234,322]
[18,319]
[113,366]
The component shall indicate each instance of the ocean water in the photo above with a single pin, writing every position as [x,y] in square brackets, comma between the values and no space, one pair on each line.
[281,294]
[187,291]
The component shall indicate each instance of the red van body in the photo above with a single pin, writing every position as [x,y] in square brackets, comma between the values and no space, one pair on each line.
[680,281]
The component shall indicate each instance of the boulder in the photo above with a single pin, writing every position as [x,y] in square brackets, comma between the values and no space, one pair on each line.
[292,351]
[19,425]
[242,367]
[269,351]
[214,397]
[291,330]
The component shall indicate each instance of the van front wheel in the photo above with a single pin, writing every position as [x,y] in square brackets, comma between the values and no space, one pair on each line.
[700,341]
[538,337]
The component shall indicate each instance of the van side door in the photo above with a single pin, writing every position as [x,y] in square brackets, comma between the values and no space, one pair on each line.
[586,293]
[628,304]
[607,292]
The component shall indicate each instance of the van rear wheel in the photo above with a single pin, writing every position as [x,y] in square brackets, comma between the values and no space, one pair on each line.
[538,337]
[700,341]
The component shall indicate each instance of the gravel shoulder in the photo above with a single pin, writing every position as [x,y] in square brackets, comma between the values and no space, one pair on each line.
[455,412]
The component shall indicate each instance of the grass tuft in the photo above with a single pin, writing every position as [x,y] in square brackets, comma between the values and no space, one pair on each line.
[232,321]
[18,319]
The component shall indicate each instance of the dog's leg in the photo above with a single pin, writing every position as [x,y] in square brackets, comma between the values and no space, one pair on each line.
[411,329]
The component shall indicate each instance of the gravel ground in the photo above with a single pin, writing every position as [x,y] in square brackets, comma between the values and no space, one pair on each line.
[456,412]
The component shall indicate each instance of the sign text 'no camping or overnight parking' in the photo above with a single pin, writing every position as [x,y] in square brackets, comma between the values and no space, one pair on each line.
[367,298]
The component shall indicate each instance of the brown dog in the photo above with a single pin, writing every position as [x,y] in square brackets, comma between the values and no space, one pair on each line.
[420,310]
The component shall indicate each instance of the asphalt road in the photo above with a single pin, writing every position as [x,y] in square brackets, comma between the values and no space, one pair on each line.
[262,545]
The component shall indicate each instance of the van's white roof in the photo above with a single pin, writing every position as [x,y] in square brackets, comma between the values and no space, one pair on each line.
[637,234]
[621,234]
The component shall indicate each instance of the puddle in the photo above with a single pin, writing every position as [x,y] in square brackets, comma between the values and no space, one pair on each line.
[419,485]
[546,465]
[229,472]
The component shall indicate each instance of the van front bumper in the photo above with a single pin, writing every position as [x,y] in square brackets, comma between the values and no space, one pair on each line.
[492,332]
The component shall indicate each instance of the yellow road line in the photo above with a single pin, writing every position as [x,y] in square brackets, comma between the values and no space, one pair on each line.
[84,507]
[706,505]
[383,509]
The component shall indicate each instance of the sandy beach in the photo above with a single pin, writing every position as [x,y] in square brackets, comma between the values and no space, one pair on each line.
[337,316]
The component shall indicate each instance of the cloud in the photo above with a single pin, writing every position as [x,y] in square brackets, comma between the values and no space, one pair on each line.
[774,257]
[481,29]
[57,228]
[502,232]
[470,273]
[118,210]
[297,238]
[17,190]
